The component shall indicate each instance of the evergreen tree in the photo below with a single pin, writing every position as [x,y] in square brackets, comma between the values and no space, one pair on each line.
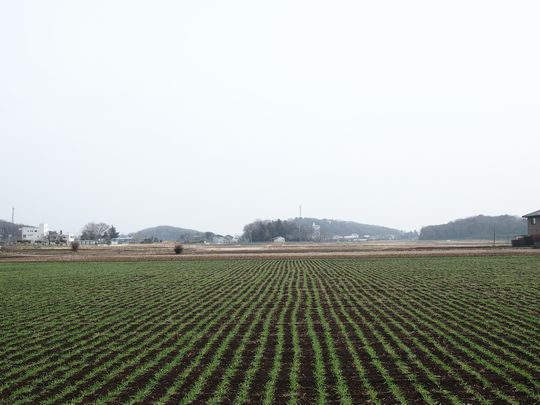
[113,233]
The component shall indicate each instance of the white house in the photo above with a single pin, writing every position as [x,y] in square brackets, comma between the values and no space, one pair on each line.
[29,233]
[33,234]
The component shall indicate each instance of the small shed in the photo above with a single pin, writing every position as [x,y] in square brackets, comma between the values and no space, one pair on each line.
[533,225]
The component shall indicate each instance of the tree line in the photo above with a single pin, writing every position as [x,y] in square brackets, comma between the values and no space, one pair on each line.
[266,231]
[478,227]
[314,229]
[99,231]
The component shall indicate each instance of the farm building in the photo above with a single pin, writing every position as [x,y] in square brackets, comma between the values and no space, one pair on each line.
[533,225]
[279,239]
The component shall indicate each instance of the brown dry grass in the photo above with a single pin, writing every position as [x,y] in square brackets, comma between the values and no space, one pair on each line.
[256,251]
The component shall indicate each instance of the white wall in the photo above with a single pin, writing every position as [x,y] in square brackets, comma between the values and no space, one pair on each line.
[34,234]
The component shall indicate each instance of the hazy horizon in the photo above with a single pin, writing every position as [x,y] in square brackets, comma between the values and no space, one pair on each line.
[255,219]
[209,115]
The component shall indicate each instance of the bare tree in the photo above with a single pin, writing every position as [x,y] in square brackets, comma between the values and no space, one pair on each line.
[95,231]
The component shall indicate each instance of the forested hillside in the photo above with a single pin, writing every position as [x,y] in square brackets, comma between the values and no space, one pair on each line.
[8,228]
[173,233]
[478,227]
[305,229]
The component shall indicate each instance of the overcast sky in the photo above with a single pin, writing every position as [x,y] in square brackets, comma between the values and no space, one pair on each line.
[211,114]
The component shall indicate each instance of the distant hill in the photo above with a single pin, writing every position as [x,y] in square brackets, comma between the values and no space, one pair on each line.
[266,230]
[477,227]
[172,233]
[8,228]
[333,227]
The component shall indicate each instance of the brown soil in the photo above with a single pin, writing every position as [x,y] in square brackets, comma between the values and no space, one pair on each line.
[260,251]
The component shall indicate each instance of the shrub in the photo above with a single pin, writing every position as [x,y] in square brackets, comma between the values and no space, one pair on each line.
[75,246]
[178,248]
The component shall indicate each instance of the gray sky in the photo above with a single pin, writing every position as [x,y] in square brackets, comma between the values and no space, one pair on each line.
[210,114]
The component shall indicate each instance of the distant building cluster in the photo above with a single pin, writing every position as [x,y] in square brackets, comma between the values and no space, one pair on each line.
[278,232]
[121,240]
[353,237]
[42,234]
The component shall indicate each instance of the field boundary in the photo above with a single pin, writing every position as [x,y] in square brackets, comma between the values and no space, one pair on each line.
[372,254]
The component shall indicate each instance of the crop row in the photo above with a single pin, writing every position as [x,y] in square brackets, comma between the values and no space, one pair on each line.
[434,330]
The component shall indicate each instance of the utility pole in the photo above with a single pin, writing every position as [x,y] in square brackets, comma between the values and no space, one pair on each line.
[299,222]
[12,215]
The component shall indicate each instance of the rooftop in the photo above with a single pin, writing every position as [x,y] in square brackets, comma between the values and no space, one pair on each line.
[532,214]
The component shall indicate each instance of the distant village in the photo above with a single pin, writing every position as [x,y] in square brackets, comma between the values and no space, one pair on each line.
[91,235]
[42,234]
[278,232]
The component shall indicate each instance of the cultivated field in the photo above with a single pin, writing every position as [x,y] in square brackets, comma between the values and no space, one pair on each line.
[165,251]
[387,330]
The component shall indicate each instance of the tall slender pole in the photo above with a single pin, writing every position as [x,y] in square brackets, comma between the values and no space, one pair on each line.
[299,221]
[12,215]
